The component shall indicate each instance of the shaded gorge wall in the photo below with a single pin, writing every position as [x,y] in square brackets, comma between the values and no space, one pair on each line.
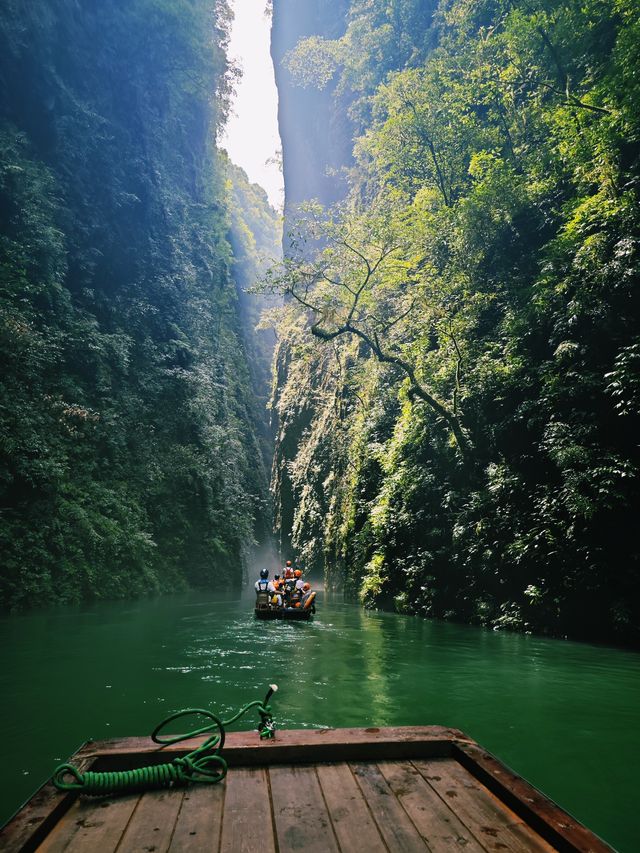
[316,133]
[133,450]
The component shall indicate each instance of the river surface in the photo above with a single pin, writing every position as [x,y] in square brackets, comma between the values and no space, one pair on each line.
[564,715]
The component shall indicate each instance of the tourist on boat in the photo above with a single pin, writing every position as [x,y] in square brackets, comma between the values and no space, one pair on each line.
[308,595]
[289,583]
[264,590]
[276,598]
[296,593]
[263,583]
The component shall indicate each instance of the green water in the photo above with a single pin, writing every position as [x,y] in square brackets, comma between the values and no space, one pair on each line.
[564,715]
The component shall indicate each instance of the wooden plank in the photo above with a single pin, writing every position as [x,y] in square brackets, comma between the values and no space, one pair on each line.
[546,817]
[31,825]
[301,818]
[433,818]
[42,813]
[397,830]
[199,821]
[247,823]
[288,747]
[489,819]
[151,825]
[91,824]
[352,821]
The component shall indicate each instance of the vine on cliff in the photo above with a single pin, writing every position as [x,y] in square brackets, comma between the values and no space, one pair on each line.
[477,297]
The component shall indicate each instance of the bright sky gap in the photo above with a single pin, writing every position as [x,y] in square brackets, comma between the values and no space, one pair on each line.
[251,136]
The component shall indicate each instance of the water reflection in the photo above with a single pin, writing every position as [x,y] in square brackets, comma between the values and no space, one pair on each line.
[563,714]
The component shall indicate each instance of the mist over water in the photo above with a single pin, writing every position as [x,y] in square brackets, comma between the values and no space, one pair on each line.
[263,557]
[562,714]
[266,557]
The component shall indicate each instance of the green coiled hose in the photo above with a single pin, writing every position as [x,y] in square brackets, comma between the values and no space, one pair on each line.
[204,764]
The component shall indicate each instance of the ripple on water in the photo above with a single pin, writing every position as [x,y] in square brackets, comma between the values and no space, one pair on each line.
[346,668]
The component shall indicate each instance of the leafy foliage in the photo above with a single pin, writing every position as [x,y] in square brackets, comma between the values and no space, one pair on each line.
[498,153]
[131,455]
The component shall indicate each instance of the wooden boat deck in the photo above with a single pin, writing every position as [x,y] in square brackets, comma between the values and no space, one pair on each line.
[325,790]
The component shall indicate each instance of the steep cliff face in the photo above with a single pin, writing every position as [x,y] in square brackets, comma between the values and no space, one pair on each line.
[458,360]
[316,135]
[131,455]
[314,126]
[255,236]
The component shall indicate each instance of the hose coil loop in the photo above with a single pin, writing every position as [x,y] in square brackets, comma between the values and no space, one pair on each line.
[202,765]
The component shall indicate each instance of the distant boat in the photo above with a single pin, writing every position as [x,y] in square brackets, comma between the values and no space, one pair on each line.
[265,610]
[297,614]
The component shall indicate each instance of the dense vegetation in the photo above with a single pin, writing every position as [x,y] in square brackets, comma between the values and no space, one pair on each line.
[132,450]
[459,362]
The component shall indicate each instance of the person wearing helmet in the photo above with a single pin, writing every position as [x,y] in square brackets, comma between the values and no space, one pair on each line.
[276,598]
[264,588]
[308,596]
[289,585]
[296,592]
[262,583]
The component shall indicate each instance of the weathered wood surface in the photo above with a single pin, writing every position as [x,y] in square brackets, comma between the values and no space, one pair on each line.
[91,825]
[247,824]
[199,820]
[37,818]
[351,816]
[395,825]
[331,791]
[245,749]
[434,819]
[300,813]
[541,814]
[481,812]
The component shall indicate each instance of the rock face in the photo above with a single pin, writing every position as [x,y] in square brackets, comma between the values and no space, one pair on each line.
[131,438]
[314,125]
[461,442]
[316,139]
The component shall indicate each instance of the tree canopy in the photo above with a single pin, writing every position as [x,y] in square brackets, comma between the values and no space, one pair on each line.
[132,448]
[459,407]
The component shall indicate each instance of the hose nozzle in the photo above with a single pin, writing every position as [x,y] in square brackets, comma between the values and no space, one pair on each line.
[272,689]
